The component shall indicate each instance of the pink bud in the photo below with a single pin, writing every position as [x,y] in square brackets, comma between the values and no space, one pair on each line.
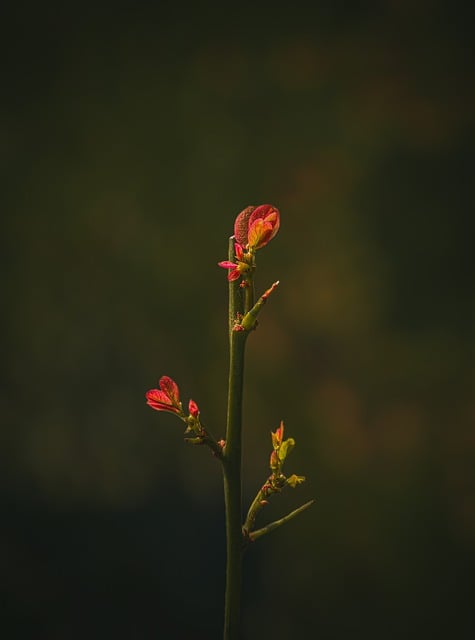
[193,409]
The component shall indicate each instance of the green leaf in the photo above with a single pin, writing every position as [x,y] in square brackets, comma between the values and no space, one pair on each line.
[294,480]
[285,448]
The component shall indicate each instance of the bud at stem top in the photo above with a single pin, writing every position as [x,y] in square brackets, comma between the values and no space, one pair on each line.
[254,227]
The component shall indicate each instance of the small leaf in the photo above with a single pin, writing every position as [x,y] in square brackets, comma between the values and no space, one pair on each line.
[170,388]
[285,448]
[241,225]
[294,480]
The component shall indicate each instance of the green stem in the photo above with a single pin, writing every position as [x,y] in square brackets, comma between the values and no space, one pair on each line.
[232,467]
[254,509]
[235,295]
[249,294]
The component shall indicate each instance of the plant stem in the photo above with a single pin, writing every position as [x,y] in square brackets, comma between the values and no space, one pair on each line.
[254,509]
[249,295]
[232,467]
[254,535]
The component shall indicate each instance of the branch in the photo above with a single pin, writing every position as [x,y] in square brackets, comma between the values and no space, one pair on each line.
[254,535]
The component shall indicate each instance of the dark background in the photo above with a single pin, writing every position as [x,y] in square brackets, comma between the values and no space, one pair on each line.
[131,137]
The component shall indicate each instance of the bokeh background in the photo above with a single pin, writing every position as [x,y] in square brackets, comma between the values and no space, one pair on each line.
[131,136]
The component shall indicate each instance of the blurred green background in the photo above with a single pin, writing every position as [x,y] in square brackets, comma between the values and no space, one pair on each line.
[131,137]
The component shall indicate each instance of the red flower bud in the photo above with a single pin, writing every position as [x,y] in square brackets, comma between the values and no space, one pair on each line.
[193,409]
[256,226]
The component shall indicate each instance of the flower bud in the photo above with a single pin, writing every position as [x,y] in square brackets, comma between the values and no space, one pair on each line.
[193,409]
[254,227]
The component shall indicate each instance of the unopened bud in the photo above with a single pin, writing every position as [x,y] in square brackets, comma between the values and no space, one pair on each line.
[193,409]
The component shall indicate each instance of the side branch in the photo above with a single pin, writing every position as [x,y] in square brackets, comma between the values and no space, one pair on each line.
[258,533]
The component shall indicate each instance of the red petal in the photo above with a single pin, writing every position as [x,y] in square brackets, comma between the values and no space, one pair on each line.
[269,215]
[239,249]
[170,388]
[234,274]
[260,232]
[157,396]
[264,211]
[159,401]
[227,265]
